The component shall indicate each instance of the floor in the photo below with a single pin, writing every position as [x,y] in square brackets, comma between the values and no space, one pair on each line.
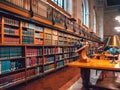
[68,78]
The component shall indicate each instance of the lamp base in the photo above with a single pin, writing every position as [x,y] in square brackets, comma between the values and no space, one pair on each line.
[113,62]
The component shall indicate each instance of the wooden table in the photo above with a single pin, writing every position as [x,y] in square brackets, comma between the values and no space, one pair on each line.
[93,64]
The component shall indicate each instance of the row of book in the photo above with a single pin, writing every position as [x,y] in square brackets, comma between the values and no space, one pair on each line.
[28,32]
[66,50]
[54,37]
[10,52]
[11,31]
[11,78]
[73,54]
[48,42]
[73,49]
[52,50]
[54,42]
[48,36]
[58,57]
[49,50]
[34,51]
[11,40]
[27,40]
[61,43]
[48,30]
[33,61]
[39,41]
[60,63]
[61,38]
[11,21]
[66,56]
[11,65]
[49,59]
[40,29]
[49,67]
[28,25]
[32,72]
[39,35]
[54,32]
[21,3]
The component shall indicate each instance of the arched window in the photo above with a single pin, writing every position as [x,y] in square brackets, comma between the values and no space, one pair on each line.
[94,23]
[65,4]
[85,12]
[59,3]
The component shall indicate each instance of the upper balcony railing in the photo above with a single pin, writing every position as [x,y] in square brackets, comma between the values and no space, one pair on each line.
[44,10]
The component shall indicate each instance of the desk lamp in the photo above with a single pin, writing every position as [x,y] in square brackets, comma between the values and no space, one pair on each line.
[113,42]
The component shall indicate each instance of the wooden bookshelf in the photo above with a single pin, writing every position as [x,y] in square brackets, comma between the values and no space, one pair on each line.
[29,48]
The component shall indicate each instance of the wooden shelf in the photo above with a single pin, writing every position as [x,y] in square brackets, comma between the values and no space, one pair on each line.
[12,71]
[29,67]
[32,77]
[12,58]
[49,63]
[12,84]
[10,25]
[47,71]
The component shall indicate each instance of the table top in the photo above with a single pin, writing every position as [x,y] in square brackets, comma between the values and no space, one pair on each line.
[97,64]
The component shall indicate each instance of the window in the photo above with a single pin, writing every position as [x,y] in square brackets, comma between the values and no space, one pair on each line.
[59,3]
[85,12]
[94,23]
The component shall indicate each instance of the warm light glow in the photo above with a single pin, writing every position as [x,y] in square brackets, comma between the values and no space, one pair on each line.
[117,28]
[117,18]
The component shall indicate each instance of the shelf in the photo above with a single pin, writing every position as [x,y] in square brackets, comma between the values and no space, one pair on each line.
[47,71]
[12,58]
[29,67]
[12,35]
[50,45]
[27,28]
[10,25]
[12,84]
[74,56]
[34,56]
[58,67]
[49,54]
[49,63]
[12,71]
[39,31]
[58,53]
[38,38]
[27,35]
[59,60]
[32,77]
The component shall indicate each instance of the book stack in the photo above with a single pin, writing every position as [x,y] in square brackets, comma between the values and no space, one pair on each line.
[60,63]
[59,50]
[58,57]
[31,51]
[12,22]
[54,37]
[49,67]
[10,52]
[31,72]
[31,61]
[48,36]
[48,59]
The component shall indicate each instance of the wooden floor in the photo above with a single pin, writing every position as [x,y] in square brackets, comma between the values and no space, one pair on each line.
[64,78]
[59,80]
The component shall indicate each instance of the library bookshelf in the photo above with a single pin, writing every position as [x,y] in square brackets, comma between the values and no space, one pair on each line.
[35,39]
[28,51]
